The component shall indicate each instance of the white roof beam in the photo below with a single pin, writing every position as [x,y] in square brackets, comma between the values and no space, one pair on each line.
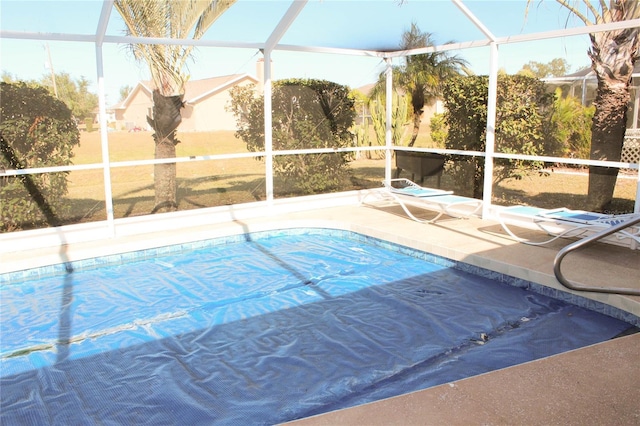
[284,24]
[567,32]
[23,35]
[329,50]
[441,48]
[107,7]
[474,19]
[181,41]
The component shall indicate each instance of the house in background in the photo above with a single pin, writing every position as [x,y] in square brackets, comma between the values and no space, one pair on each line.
[583,84]
[205,103]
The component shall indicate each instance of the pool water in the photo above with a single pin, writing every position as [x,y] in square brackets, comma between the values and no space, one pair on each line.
[264,328]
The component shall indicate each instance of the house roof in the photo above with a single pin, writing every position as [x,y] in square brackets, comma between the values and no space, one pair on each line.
[589,72]
[195,90]
[366,89]
[142,85]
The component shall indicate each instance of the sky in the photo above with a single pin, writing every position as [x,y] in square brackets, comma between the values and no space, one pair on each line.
[352,24]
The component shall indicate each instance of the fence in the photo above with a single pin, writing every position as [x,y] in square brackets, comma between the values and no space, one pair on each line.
[631,147]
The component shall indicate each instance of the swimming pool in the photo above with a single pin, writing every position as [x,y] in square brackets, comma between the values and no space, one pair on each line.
[264,328]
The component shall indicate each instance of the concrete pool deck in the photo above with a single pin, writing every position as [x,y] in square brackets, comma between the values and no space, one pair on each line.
[592,385]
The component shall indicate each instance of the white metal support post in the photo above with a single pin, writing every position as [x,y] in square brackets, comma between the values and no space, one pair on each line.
[636,108]
[294,9]
[388,116]
[491,131]
[491,107]
[107,6]
[268,127]
[636,207]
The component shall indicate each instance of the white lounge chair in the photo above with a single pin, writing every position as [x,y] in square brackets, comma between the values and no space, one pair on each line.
[407,193]
[566,223]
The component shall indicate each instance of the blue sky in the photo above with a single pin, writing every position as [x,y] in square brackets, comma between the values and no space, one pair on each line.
[356,24]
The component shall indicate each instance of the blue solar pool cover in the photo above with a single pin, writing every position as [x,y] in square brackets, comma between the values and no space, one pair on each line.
[263,331]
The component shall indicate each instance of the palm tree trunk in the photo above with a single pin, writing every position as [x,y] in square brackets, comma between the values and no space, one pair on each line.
[613,54]
[607,138]
[165,121]
[165,180]
[417,120]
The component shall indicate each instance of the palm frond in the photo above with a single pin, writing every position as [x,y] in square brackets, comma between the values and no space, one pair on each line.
[171,19]
[211,14]
[574,9]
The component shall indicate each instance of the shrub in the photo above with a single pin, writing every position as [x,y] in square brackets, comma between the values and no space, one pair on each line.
[36,130]
[572,125]
[88,122]
[438,128]
[306,114]
[522,121]
[400,118]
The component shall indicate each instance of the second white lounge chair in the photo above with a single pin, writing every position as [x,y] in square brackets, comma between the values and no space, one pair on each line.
[566,223]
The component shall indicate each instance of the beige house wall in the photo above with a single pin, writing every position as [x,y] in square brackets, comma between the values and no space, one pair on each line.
[135,115]
[202,114]
[209,114]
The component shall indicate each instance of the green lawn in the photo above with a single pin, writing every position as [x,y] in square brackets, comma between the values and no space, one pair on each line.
[212,183]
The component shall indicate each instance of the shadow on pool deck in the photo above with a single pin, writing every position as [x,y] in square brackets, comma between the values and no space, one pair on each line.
[596,385]
[285,351]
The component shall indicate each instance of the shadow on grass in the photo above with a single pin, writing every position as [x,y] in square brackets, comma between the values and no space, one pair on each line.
[206,191]
[554,200]
[221,190]
[135,202]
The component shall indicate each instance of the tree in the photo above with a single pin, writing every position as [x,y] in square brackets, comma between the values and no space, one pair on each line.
[421,76]
[613,54]
[173,20]
[523,120]
[36,130]
[571,121]
[399,117]
[555,68]
[124,92]
[7,77]
[306,113]
[74,92]
[362,128]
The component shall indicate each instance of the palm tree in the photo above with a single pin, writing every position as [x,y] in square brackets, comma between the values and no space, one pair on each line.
[421,76]
[613,54]
[172,19]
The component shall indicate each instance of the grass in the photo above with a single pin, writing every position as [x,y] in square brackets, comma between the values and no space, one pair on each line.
[562,188]
[200,183]
[217,182]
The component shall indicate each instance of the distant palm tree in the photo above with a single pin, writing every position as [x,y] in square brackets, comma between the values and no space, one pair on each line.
[421,76]
[173,19]
[613,55]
